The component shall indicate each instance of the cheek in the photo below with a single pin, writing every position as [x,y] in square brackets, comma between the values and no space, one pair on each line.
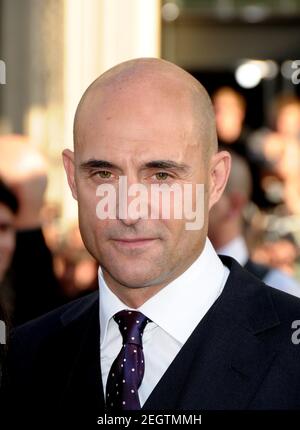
[87,203]
[177,236]
[90,226]
[184,243]
[7,243]
[94,232]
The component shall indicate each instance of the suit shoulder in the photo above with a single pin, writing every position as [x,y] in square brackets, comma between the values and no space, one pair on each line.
[32,332]
[287,306]
[261,302]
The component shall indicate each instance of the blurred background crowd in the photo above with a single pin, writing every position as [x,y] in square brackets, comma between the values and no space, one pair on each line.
[244,52]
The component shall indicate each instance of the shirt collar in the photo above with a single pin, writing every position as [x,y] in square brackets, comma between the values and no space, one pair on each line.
[109,305]
[192,294]
[237,249]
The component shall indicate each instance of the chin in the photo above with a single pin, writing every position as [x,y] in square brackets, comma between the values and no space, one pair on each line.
[136,277]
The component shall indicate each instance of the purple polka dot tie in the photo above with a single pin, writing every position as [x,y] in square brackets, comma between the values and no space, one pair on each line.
[127,371]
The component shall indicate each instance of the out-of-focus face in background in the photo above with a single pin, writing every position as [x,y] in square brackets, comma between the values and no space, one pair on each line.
[7,238]
[24,170]
[230,113]
[288,120]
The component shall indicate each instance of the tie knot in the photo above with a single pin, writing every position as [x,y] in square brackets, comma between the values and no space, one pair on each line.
[131,325]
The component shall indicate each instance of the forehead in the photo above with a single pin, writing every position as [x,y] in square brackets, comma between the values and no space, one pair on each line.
[227,99]
[137,121]
[290,109]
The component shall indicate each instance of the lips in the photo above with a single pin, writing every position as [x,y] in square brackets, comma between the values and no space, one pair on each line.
[135,239]
[134,243]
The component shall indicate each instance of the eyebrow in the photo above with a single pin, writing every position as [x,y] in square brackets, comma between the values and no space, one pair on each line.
[154,164]
[166,164]
[97,164]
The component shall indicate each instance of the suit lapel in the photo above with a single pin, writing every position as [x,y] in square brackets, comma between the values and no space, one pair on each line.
[83,390]
[224,361]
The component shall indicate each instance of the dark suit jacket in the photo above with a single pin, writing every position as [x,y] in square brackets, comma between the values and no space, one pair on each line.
[35,285]
[258,270]
[240,356]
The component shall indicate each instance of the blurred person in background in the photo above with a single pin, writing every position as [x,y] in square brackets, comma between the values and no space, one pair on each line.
[75,268]
[279,253]
[36,287]
[278,149]
[8,214]
[230,110]
[226,228]
[286,140]
[3,348]
[8,211]
[2,344]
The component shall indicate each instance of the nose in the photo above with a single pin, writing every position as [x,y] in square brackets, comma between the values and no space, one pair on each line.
[133,202]
[127,212]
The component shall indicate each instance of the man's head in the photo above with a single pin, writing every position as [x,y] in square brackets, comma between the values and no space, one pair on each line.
[226,217]
[8,210]
[152,122]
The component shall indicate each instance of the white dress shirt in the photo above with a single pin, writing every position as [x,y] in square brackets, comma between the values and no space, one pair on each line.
[237,249]
[175,311]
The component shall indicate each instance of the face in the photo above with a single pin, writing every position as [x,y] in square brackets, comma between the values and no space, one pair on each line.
[229,113]
[289,120]
[7,239]
[132,137]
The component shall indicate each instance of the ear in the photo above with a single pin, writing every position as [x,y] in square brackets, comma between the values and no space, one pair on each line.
[219,173]
[68,160]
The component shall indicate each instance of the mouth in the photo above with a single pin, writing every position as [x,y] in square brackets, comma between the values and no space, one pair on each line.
[134,243]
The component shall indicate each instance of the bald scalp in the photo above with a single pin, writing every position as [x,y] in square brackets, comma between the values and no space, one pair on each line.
[158,76]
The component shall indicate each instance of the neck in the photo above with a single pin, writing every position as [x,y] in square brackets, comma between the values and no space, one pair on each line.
[133,297]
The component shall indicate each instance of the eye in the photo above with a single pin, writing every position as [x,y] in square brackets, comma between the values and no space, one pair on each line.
[162,176]
[4,228]
[104,174]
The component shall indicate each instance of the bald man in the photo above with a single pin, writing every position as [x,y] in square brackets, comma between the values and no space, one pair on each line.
[172,327]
